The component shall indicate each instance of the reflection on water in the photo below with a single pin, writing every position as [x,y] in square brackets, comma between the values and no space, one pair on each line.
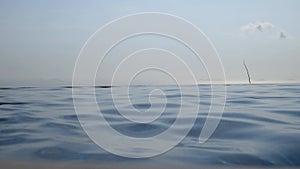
[260,126]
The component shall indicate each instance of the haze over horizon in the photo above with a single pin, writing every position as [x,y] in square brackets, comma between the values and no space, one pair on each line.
[41,40]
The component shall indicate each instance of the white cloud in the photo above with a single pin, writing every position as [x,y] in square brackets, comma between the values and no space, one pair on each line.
[263,29]
[257,26]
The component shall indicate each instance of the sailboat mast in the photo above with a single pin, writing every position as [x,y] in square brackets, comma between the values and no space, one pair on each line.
[248,74]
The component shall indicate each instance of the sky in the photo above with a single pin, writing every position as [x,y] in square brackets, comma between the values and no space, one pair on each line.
[41,40]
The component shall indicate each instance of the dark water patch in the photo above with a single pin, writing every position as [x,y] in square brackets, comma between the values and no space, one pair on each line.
[173,96]
[226,128]
[268,97]
[254,117]
[12,141]
[20,120]
[148,105]
[291,155]
[142,106]
[28,119]
[172,90]
[55,153]
[69,117]
[181,96]
[5,88]
[4,119]
[70,87]
[240,101]
[195,131]
[289,89]
[103,87]
[18,140]
[294,113]
[25,88]
[55,125]
[66,100]
[8,131]
[140,130]
[13,103]
[172,105]
[54,89]
[206,103]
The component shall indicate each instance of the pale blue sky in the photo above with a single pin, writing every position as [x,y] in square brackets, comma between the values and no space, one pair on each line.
[40,40]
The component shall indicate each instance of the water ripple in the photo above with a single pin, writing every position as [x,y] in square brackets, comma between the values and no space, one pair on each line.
[260,125]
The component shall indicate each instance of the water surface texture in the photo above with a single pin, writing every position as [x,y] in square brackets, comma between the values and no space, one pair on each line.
[260,126]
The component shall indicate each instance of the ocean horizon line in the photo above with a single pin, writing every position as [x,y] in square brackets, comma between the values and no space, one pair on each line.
[3,87]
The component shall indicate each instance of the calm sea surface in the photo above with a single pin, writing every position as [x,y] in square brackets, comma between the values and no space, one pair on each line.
[260,126]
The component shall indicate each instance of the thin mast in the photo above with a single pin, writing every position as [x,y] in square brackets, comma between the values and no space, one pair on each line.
[249,79]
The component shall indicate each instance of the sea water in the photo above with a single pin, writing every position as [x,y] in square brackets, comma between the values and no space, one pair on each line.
[260,126]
